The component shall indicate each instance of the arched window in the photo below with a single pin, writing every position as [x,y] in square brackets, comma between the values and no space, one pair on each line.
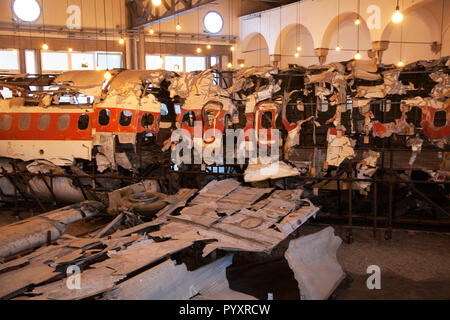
[43,122]
[83,121]
[24,122]
[103,117]
[125,118]
[63,122]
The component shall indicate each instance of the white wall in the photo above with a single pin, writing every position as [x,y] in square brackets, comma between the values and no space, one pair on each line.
[422,23]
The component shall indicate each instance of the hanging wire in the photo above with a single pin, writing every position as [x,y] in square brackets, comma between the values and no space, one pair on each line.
[106,35]
[401,41]
[442,28]
[359,3]
[68,32]
[43,18]
[338,34]
[81,31]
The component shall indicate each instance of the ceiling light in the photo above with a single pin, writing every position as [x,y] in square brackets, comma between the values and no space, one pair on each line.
[232,48]
[241,65]
[299,48]
[229,65]
[357,21]
[208,46]
[199,50]
[178,27]
[121,41]
[70,50]
[338,48]
[397,17]
[296,55]
[152,31]
[357,56]
[156,2]
[45,46]
[400,64]
[107,75]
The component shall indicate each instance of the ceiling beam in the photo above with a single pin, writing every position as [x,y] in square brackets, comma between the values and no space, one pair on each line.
[143,14]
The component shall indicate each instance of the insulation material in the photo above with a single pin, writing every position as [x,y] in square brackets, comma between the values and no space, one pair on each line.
[416,147]
[107,150]
[425,102]
[442,89]
[149,103]
[88,82]
[366,169]
[102,162]
[339,149]
[392,85]
[274,170]
[293,134]
[123,161]
[313,260]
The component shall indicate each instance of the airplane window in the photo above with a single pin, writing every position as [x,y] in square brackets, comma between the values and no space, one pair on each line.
[125,118]
[103,117]
[43,122]
[5,122]
[83,122]
[24,122]
[164,110]
[147,120]
[440,119]
[189,118]
[63,122]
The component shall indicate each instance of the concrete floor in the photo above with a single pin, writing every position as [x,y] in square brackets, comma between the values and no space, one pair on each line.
[414,265]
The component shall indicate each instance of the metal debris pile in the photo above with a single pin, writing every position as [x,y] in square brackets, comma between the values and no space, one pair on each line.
[144,260]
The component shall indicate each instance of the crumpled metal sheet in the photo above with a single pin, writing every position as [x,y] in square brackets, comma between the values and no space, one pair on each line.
[315,265]
[274,170]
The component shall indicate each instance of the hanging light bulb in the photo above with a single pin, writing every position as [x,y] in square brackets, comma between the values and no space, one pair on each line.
[241,65]
[400,64]
[208,46]
[397,17]
[357,21]
[338,48]
[45,46]
[152,31]
[296,55]
[121,41]
[199,50]
[107,75]
[70,50]
[299,48]
[156,2]
[229,65]
[358,56]
[232,48]
[178,27]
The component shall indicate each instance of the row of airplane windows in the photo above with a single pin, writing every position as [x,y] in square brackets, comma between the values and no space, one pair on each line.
[63,121]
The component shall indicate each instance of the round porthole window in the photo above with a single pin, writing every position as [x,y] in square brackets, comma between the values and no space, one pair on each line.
[27,10]
[213,22]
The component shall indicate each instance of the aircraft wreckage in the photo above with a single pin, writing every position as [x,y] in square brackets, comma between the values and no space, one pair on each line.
[379,134]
